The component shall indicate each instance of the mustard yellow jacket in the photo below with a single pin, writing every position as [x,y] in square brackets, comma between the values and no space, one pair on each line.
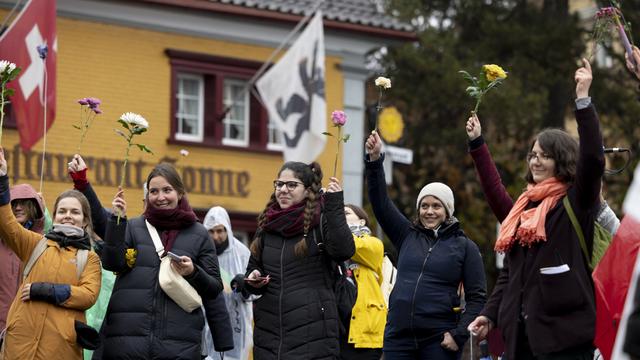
[369,314]
[37,329]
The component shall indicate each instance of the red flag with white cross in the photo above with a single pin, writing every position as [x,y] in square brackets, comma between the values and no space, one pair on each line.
[31,43]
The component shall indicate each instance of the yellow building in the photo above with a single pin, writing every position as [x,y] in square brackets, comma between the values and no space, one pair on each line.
[179,63]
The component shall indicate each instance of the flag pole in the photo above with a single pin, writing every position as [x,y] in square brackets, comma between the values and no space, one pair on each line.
[8,16]
[42,51]
[275,52]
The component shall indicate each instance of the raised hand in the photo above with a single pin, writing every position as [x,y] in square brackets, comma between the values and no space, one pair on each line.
[473,128]
[3,163]
[373,145]
[119,204]
[77,164]
[334,185]
[583,78]
[636,57]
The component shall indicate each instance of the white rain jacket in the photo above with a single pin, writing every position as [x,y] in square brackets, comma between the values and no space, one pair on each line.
[233,261]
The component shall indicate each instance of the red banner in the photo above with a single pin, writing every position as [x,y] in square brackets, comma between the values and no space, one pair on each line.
[22,43]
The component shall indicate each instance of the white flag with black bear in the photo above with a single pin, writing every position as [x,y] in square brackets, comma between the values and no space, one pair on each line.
[293,92]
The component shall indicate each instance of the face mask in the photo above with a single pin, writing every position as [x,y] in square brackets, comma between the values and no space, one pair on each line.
[68,230]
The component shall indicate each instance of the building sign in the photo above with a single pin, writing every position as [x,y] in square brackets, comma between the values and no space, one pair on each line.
[107,172]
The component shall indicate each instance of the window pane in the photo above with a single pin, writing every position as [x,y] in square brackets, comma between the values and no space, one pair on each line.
[190,112]
[236,123]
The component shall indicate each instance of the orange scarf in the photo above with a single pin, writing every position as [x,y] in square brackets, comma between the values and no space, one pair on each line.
[527,226]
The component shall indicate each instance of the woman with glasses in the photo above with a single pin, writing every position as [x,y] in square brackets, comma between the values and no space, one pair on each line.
[543,301]
[300,232]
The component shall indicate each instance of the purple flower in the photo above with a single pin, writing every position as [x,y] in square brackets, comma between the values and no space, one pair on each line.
[96,110]
[42,51]
[93,102]
[83,101]
[338,117]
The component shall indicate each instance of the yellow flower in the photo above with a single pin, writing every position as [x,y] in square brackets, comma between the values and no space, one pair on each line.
[130,256]
[494,72]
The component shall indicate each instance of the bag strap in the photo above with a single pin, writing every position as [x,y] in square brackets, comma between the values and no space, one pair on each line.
[81,261]
[81,258]
[40,248]
[156,239]
[576,226]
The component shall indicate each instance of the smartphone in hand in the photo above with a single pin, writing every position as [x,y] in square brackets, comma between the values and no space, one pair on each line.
[257,280]
[174,257]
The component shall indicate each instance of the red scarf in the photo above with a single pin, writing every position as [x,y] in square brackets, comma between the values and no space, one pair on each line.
[169,222]
[527,226]
[290,221]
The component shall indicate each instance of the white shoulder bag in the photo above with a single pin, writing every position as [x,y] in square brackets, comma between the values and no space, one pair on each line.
[171,282]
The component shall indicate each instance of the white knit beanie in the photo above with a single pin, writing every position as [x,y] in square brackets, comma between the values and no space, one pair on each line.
[442,192]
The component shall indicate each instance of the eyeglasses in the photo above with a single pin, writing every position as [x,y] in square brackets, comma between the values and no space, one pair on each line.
[291,185]
[539,157]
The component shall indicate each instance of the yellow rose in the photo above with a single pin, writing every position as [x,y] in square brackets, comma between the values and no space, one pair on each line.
[130,256]
[494,72]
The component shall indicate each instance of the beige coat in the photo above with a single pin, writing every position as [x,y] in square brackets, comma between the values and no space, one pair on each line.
[37,329]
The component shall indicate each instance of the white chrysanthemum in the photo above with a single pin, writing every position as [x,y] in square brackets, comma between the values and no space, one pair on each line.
[384,82]
[6,65]
[134,119]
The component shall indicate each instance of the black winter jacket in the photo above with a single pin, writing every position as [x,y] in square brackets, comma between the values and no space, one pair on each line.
[296,317]
[431,266]
[217,315]
[141,321]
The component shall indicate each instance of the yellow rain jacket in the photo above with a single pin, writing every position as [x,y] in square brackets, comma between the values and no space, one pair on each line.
[37,329]
[369,314]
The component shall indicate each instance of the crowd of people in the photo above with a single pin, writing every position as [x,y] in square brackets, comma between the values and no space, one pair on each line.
[163,285]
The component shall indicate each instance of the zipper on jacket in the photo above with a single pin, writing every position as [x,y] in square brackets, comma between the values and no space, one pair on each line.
[284,242]
[153,319]
[415,290]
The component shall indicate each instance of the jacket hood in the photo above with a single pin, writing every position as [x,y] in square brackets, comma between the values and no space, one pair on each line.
[27,192]
[217,215]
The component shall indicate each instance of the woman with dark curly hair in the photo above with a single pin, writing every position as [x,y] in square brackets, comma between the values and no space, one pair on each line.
[543,300]
[300,232]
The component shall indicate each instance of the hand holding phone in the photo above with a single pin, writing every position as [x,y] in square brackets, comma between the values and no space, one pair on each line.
[174,257]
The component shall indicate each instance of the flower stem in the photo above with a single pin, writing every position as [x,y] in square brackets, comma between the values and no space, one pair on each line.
[378,107]
[335,163]
[1,111]
[475,110]
[124,169]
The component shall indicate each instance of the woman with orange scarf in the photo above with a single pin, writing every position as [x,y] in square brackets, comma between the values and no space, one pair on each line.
[543,300]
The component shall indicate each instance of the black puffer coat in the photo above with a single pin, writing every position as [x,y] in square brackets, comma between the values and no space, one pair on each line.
[296,317]
[141,321]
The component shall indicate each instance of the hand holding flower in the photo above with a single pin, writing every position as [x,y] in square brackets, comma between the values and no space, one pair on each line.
[634,66]
[334,185]
[119,204]
[373,146]
[474,130]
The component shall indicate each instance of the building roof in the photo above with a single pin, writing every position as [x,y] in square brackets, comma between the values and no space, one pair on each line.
[360,16]
[361,12]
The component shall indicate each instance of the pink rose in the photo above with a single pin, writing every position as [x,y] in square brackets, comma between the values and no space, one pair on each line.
[338,117]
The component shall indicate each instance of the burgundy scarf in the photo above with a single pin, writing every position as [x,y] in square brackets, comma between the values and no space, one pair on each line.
[169,222]
[290,221]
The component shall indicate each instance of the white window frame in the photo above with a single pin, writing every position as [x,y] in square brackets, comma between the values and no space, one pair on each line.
[247,108]
[179,96]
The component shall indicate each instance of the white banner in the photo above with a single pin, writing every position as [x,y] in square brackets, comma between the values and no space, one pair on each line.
[294,93]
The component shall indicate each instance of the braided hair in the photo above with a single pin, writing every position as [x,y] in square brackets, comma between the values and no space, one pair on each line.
[311,176]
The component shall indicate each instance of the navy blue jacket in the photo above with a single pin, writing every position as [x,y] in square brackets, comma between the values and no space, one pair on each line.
[431,266]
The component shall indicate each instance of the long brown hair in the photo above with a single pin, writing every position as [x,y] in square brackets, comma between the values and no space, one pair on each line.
[311,176]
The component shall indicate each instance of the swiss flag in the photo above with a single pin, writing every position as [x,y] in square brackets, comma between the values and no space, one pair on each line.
[35,26]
